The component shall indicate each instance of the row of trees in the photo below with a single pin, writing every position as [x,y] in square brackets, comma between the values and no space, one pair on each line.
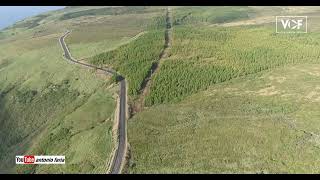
[105,11]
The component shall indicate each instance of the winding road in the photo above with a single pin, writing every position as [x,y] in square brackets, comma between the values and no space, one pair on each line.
[119,156]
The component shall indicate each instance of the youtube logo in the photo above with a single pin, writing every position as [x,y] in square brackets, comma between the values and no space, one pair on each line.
[28,159]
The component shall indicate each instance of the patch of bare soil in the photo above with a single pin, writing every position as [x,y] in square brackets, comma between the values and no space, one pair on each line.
[269,91]
[102,74]
[313,72]
[314,95]
[279,79]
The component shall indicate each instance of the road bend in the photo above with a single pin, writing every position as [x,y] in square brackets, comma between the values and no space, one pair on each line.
[119,156]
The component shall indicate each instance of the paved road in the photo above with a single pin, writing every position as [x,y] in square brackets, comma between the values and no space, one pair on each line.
[120,152]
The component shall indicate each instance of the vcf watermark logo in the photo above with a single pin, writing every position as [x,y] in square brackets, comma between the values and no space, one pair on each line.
[291,24]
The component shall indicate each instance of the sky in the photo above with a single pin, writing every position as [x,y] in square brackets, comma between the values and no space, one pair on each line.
[11,14]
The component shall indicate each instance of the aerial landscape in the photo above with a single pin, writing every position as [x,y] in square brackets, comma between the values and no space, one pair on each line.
[161,89]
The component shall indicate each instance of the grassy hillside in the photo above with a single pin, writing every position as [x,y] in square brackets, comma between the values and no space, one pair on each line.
[108,11]
[238,99]
[263,123]
[210,14]
[49,106]
[42,95]
[227,98]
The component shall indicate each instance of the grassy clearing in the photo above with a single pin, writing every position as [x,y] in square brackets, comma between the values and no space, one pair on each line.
[192,15]
[109,35]
[84,137]
[109,27]
[106,11]
[263,123]
[204,56]
[105,33]
[31,23]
